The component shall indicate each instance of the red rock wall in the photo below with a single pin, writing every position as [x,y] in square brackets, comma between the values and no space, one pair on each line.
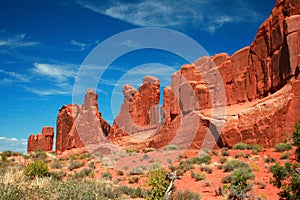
[42,141]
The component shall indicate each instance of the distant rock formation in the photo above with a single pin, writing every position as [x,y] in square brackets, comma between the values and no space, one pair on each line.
[81,126]
[42,141]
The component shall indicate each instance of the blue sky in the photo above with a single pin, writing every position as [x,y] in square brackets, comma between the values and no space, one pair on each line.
[43,44]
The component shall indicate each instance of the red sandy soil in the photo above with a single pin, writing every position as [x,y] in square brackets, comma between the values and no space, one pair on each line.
[206,188]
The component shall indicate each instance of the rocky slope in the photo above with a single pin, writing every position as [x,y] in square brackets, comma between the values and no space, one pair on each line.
[42,141]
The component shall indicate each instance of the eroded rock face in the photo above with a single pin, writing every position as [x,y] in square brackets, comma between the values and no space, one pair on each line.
[81,126]
[139,110]
[42,141]
[259,83]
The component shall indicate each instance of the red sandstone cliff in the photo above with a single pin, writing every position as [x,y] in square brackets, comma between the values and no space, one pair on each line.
[81,126]
[42,141]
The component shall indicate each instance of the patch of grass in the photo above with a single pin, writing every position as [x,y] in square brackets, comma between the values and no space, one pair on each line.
[56,164]
[234,164]
[170,147]
[222,160]
[281,147]
[106,176]
[206,169]
[198,176]
[240,146]
[224,152]
[269,159]
[75,165]
[238,155]
[133,179]
[202,159]
[135,171]
[185,195]
[284,156]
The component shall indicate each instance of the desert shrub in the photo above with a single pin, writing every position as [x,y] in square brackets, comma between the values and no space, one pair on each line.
[178,195]
[206,169]
[202,159]
[132,151]
[11,192]
[158,182]
[228,179]
[146,150]
[256,148]
[215,152]
[169,160]
[224,152]
[296,140]
[120,173]
[281,147]
[134,192]
[145,156]
[58,175]
[37,168]
[170,147]
[222,160]
[239,185]
[285,156]
[85,156]
[239,155]
[183,167]
[84,172]
[240,146]
[261,185]
[287,178]
[136,171]
[56,164]
[106,176]
[269,159]
[133,179]
[198,176]
[39,154]
[91,165]
[234,164]
[75,165]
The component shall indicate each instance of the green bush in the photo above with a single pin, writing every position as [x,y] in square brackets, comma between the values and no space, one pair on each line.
[234,164]
[206,169]
[240,146]
[198,176]
[136,171]
[83,173]
[106,176]
[158,182]
[133,179]
[186,195]
[285,156]
[134,192]
[75,165]
[202,159]
[281,147]
[222,160]
[269,159]
[296,140]
[37,168]
[58,175]
[56,164]
[287,178]
[39,154]
[224,152]
[170,147]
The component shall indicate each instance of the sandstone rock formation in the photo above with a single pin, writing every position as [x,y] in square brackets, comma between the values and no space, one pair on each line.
[81,126]
[42,141]
[139,111]
[252,96]
[261,84]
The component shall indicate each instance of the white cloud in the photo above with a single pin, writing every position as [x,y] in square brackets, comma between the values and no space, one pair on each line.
[13,77]
[60,73]
[19,40]
[129,43]
[46,92]
[13,144]
[202,14]
[82,46]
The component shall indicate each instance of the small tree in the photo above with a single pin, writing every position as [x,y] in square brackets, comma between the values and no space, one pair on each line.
[287,177]
[296,139]
[158,182]
[37,168]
